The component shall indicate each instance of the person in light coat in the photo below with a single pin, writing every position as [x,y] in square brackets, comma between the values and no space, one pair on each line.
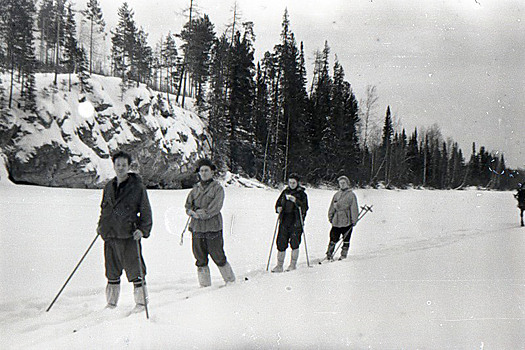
[203,205]
[342,214]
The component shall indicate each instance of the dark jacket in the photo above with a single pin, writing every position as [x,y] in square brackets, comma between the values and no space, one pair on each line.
[206,201]
[121,216]
[290,210]
[520,196]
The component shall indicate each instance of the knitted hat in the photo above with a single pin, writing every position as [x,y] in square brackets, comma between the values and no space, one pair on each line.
[294,176]
[204,162]
[343,178]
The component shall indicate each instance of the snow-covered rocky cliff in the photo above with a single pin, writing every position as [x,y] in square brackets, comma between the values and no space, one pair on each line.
[69,141]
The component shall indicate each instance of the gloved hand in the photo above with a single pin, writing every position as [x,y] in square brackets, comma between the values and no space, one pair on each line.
[279,210]
[193,214]
[137,235]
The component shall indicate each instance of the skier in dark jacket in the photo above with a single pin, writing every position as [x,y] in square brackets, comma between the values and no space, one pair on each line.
[291,204]
[520,196]
[203,205]
[125,218]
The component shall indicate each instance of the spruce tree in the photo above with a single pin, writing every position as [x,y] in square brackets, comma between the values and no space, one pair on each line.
[198,37]
[93,15]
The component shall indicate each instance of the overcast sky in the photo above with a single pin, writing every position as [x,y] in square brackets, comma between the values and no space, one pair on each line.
[457,63]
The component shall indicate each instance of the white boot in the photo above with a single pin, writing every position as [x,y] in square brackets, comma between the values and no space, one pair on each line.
[227,273]
[280,262]
[138,294]
[112,295]
[293,261]
[204,276]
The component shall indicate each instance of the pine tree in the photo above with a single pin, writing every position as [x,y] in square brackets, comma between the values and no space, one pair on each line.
[170,61]
[218,121]
[198,37]
[386,144]
[72,55]
[142,57]
[344,119]
[46,27]
[93,14]
[17,30]
[123,43]
[322,132]
[241,97]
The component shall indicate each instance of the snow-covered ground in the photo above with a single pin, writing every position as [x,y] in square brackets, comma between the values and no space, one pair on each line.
[427,270]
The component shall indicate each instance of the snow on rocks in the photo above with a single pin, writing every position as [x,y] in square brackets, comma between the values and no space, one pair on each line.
[68,142]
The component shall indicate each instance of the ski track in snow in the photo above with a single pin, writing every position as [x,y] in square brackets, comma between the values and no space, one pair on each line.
[405,227]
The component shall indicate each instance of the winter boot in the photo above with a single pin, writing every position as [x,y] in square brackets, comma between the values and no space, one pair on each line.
[330,251]
[293,261]
[203,273]
[344,253]
[280,262]
[138,294]
[227,273]
[112,294]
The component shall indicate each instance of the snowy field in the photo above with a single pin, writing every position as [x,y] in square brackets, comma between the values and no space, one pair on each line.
[427,270]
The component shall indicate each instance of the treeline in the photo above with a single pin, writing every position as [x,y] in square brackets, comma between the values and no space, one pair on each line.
[265,119]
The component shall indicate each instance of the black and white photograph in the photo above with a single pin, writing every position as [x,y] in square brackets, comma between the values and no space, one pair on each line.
[262,174]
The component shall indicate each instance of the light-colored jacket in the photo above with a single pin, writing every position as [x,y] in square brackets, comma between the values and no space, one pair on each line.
[207,202]
[343,210]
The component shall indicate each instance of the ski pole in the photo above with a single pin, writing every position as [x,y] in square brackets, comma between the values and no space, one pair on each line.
[142,277]
[304,233]
[364,210]
[273,240]
[72,273]
[183,231]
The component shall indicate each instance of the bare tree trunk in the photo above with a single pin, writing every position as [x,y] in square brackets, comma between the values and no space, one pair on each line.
[91,48]
[58,45]
[12,78]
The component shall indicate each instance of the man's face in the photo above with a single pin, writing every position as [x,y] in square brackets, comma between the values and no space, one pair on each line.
[121,167]
[292,183]
[205,173]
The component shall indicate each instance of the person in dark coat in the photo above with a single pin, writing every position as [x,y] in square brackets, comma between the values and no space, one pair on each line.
[520,196]
[291,204]
[125,218]
[203,205]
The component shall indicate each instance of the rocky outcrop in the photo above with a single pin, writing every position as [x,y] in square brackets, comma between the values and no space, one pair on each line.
[62,145]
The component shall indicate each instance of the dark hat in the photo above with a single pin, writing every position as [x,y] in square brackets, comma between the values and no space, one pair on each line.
[204,162]
[294,176]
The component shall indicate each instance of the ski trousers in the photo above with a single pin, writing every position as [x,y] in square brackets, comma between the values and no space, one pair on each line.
[288,235]
[206,244]
[121,254]
[337,232]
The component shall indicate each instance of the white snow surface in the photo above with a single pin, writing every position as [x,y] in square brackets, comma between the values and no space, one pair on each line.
[426,270]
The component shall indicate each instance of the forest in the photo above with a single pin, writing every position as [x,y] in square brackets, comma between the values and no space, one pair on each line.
[265,119]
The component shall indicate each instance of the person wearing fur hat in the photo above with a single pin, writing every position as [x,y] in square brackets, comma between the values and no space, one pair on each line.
[292,202]
[203,205]
[342,214]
